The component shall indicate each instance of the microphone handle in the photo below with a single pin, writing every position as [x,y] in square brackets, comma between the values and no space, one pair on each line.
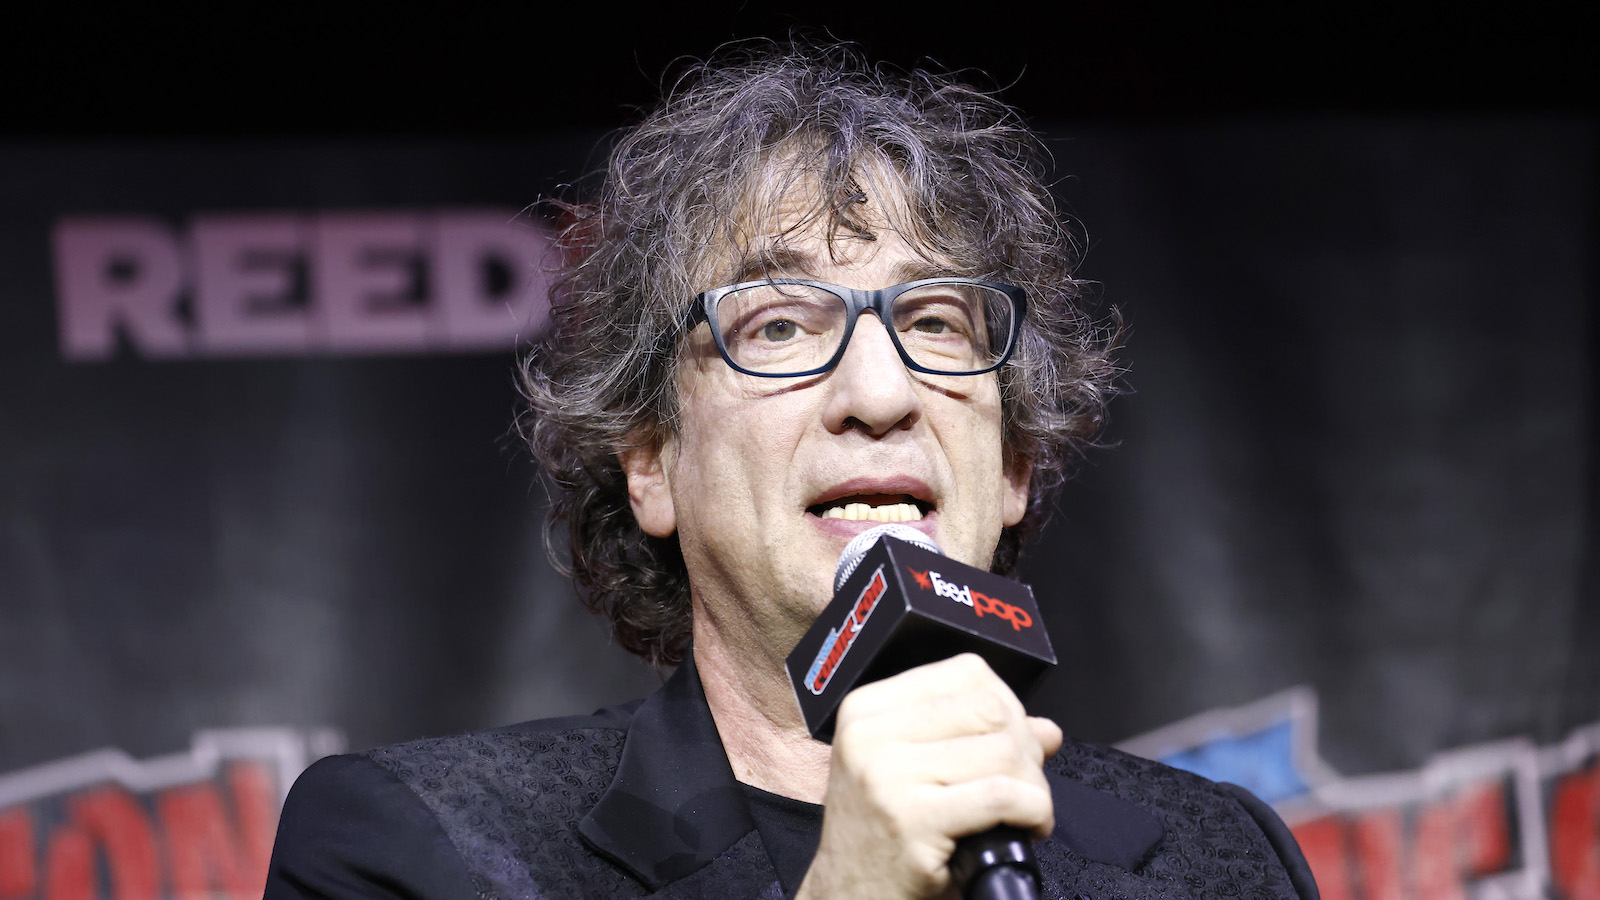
[997,864]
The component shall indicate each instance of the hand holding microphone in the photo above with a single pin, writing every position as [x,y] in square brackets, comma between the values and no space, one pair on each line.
[931,747]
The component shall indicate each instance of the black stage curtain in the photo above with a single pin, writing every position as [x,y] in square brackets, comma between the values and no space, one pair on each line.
[1356,452]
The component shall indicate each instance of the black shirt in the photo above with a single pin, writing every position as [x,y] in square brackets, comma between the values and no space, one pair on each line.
[790,829]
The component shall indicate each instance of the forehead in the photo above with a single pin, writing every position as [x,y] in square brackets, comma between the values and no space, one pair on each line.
[789,222]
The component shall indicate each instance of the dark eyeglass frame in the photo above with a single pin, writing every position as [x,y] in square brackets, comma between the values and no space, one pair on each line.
[704,309]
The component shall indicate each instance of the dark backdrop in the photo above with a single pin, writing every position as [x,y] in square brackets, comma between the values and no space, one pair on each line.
[1356,452]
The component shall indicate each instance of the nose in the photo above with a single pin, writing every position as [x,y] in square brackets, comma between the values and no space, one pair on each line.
[871,388]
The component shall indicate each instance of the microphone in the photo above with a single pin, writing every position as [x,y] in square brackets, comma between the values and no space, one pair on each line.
[899,602]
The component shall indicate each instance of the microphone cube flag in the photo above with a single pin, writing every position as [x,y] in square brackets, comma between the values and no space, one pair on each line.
[903,607]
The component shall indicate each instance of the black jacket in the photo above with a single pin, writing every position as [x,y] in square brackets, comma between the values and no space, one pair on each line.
[638,800]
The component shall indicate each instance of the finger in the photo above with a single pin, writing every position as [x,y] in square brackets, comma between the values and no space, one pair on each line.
[944,716]
[963,759]
[965,671]
[967,808]
[1048,734]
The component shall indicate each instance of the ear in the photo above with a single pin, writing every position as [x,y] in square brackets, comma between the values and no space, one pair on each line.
[1019,479]
[649,488]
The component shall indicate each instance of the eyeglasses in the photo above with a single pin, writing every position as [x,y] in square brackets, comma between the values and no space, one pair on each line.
[788,327]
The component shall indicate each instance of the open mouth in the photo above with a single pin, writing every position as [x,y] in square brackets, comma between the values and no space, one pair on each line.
[873,508]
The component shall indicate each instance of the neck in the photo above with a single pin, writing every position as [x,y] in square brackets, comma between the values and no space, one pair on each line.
[757,715]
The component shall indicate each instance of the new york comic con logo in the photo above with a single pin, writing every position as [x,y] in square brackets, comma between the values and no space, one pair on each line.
[841,639]
[982,604]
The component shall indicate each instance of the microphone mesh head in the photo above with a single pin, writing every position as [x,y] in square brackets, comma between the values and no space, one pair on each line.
[861,543]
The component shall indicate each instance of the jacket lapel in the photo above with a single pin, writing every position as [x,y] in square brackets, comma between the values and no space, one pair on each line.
[674,805]
[1099,826]
[743,871]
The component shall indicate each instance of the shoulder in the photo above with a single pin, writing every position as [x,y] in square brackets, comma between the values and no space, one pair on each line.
[506,759]
[350,829]
[1211,833]
[1154,786]
[549,773]
[480,814]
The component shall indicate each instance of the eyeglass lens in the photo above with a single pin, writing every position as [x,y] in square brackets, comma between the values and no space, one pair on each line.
[790,328]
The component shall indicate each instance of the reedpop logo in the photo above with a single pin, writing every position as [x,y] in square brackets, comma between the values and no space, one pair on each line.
[982,604]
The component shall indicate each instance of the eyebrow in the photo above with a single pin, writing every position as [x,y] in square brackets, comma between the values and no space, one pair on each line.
[916,270]
[773,261]
[780,261]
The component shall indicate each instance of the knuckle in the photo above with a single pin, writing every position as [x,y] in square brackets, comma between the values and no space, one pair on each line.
[1001,795]
[970,663]
[1016,800]
[1034,805]
[1027,747]
[1012,801]
[977,672]
[1001,747]
[983,709]
[1027,759]
[927,864]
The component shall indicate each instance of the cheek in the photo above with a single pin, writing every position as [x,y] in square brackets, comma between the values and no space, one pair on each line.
[1004,498]
[734,448]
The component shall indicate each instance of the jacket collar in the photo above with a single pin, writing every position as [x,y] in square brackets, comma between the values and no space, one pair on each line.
[675,805]
[1099,826]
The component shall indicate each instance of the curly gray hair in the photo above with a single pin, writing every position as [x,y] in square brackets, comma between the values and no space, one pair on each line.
[683,196]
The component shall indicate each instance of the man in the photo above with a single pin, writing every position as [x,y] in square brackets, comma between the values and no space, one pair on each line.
[810,297]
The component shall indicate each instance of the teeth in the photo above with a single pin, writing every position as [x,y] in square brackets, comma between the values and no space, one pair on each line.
[889,512]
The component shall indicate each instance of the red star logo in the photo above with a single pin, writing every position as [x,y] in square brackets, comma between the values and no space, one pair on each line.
[922,579]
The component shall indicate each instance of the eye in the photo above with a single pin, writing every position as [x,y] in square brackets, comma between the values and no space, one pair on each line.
[934,312]
[779,330]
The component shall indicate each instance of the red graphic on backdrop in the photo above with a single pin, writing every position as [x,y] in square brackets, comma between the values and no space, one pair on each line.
[199,824]
[1506,819]
[1433,849]
[1575,833]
